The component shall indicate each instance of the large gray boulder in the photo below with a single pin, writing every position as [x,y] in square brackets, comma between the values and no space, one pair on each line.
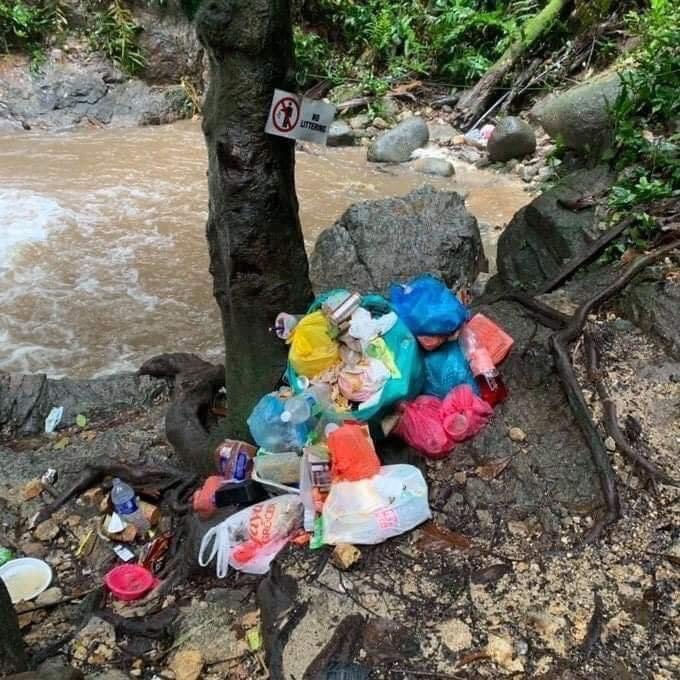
[511,138]
[397,145]
[375,243]
[546,233]
[340,134]
[435,166]
[580,116]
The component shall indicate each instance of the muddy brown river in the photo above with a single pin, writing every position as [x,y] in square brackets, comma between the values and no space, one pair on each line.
[103,260]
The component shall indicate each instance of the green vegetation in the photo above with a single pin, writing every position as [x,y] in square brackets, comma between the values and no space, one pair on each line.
[27,26]
[454,40]
[115,32]
[647,142]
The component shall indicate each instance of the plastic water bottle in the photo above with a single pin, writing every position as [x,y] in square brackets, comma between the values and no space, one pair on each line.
[306,405]
[124,501]
[491,386]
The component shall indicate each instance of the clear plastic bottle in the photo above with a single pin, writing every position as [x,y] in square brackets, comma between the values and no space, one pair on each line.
[491,386]
[124,501]
[307,405]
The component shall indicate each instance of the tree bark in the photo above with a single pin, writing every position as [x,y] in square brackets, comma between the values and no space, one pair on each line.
[12,650]
[475,101]
[257,255]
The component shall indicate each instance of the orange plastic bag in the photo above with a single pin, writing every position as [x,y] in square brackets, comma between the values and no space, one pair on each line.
[353,455]
[494,339]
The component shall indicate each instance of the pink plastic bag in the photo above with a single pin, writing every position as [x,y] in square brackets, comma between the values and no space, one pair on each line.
[463,413]
[420,425]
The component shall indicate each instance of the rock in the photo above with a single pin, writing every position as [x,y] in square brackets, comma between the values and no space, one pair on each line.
[46,531]
[580,116]
[527,172]
[424,231]
[434,166]
[460,477]
[610,444]
[517,528]
[512,138]
[340,134]
[517,434]
[231,598]
[50,596]
[398,144]
[380,123]
[652,304]
[405,115]
[544,234]
[110,674]
[95,643]
[345,555]
[32,489]
[441,132]
[361,120]
[93,497]
[25,400]
[34,549]
[187,664]
[456,635]
[501,651]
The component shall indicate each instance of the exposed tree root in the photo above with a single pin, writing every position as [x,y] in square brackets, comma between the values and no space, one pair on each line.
[594,628]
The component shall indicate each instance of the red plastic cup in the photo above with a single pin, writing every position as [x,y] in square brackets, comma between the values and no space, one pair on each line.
[129,582]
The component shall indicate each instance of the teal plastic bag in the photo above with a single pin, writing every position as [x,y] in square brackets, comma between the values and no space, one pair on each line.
[407,357]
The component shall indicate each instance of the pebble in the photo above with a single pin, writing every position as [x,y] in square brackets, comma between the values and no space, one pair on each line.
[50,596]
[517,434]
[32,489]
[187,664]
[380,123]
[610,444]
[456,635]
[46,531]
[460,477]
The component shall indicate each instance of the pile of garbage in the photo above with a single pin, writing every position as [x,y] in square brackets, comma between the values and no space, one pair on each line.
[418,366]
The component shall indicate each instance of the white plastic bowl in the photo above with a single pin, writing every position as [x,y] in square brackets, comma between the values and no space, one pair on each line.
[26,578]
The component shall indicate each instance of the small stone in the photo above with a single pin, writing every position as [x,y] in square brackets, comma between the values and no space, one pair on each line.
[380,123]
[49,597]
[34,549]
[434,166]
[518,528]
[610,444]
[32,489]
[404,115]
[512,164]
[517,434]
[500,651]
[460,477]
[345,555]
[93,497]
[361,120]
[456,635]
[187,664]
[46,531]
[72,520]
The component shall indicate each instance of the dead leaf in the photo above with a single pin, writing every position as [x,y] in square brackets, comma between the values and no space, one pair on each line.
[88,435]
[493,469]
[489,574]
[61,444]
[436,538]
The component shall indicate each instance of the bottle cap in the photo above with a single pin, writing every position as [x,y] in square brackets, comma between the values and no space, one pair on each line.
[330,428]
[285,417]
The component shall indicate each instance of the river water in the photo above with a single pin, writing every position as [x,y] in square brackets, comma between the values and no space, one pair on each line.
[103,259]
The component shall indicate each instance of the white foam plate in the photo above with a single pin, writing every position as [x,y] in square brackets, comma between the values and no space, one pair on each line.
[26,578]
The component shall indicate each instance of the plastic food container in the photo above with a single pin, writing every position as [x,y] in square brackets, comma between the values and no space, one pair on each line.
[129,582]
[271,470]
[25,578]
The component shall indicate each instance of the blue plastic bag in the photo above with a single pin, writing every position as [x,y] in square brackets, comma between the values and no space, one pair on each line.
[446,368]
[427,306]
[270,432]
[407,357]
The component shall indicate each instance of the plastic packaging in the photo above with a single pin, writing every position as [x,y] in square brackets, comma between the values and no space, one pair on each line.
[203,500]
[364,327]
[362,382]
[312,349]
[315,481]
[492,337]
[5,555]
[431,342]
[428,307]
[234,459]
[420,425]
[285,324]
[310,403]
[270,432]
[280,468]
[250,539]
[353,455]
[487,377]
[372,510]
[446,368]
[464,414]
[124,501]
[129,582]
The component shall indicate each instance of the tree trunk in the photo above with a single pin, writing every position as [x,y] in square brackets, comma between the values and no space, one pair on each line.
[474,102]
[12,651]
[257,255]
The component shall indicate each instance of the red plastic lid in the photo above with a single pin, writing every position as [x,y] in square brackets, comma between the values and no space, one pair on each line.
[129,581]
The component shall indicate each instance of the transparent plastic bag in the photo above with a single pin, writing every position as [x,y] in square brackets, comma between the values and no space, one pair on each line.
[372,510]
[427,306]
[270,432]
[250,539]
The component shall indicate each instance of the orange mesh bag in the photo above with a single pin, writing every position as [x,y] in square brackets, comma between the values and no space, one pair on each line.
[493,338]
[353,455]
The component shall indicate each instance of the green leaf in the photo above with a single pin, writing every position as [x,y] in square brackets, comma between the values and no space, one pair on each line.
[81,420]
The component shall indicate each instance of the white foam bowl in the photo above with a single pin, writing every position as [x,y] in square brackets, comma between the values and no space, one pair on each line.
[26,578]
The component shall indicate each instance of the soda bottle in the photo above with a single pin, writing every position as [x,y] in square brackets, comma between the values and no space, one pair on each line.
[491,386]
[307,405]
[124,501]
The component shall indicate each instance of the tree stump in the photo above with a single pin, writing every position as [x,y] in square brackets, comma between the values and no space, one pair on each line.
[12,650]
[257,254]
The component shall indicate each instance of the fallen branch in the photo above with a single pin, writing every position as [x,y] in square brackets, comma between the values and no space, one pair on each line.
[560,342]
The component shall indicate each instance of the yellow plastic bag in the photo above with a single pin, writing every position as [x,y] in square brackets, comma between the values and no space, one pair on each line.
[312,349]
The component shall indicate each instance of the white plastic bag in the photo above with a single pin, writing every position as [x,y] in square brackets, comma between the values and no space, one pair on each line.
[372,510]
[250,539]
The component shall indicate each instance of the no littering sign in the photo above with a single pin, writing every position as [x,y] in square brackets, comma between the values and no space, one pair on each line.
[299,118]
